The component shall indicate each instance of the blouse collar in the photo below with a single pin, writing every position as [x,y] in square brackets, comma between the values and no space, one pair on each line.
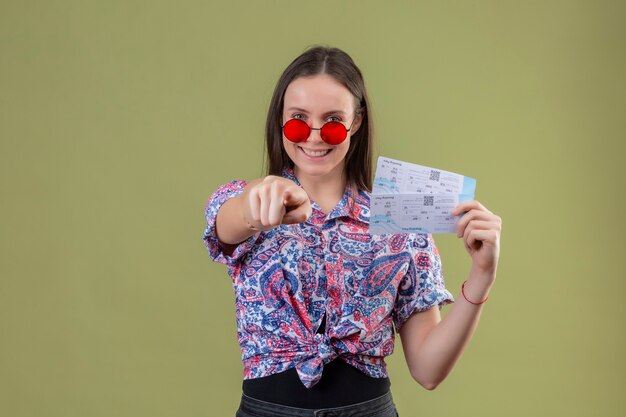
[360,205]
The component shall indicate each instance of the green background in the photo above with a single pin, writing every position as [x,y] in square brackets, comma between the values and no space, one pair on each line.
[118,119]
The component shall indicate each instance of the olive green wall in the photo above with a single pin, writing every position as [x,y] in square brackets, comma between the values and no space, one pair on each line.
[118,119]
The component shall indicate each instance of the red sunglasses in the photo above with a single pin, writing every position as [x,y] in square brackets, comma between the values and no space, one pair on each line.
[333,133]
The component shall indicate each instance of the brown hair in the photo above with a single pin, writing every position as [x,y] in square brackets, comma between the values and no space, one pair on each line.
[336,63]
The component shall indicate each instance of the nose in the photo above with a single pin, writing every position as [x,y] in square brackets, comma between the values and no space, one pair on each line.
[315,135]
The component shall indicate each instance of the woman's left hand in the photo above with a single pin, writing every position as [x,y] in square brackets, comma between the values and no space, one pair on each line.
[480,230]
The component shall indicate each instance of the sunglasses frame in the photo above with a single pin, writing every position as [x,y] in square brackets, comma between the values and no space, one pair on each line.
[318,128]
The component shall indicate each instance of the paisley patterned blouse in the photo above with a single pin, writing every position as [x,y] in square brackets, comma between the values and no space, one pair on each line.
[288,278]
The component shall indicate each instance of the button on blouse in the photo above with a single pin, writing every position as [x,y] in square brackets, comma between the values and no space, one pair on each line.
[288,278]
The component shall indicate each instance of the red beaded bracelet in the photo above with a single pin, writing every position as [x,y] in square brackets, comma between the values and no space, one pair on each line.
[464,296]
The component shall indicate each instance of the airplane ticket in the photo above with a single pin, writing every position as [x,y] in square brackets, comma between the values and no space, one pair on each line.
[411,198]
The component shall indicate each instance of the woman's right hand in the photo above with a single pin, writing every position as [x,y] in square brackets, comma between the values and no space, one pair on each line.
[273,201]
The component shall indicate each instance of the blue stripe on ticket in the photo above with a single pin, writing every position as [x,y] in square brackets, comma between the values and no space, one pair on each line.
[469,185]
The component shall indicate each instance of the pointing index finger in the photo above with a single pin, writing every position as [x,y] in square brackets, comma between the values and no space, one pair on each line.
[294,197]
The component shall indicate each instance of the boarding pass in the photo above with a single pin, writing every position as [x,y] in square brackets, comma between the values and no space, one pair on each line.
[411,198]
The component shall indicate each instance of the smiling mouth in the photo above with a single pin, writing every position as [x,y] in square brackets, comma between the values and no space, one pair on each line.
[309,152]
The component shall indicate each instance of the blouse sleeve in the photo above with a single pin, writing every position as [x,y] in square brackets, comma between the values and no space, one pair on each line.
[219,197]
[423,286]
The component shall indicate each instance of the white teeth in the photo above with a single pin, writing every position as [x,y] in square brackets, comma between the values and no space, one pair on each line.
[315,153]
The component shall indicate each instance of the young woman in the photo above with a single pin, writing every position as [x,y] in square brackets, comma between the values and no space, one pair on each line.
[317,296]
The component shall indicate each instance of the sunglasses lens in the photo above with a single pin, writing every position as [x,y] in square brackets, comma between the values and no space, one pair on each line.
[333,133]
[296,130]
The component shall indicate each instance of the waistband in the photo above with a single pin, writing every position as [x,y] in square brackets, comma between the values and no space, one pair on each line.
[382,406]
[341,384]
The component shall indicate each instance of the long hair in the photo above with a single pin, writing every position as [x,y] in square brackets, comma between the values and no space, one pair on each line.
[337,64]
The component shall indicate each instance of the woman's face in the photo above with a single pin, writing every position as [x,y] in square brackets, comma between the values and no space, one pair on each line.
[316,100]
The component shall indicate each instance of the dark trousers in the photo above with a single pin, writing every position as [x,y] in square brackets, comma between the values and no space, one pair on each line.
[378,407]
